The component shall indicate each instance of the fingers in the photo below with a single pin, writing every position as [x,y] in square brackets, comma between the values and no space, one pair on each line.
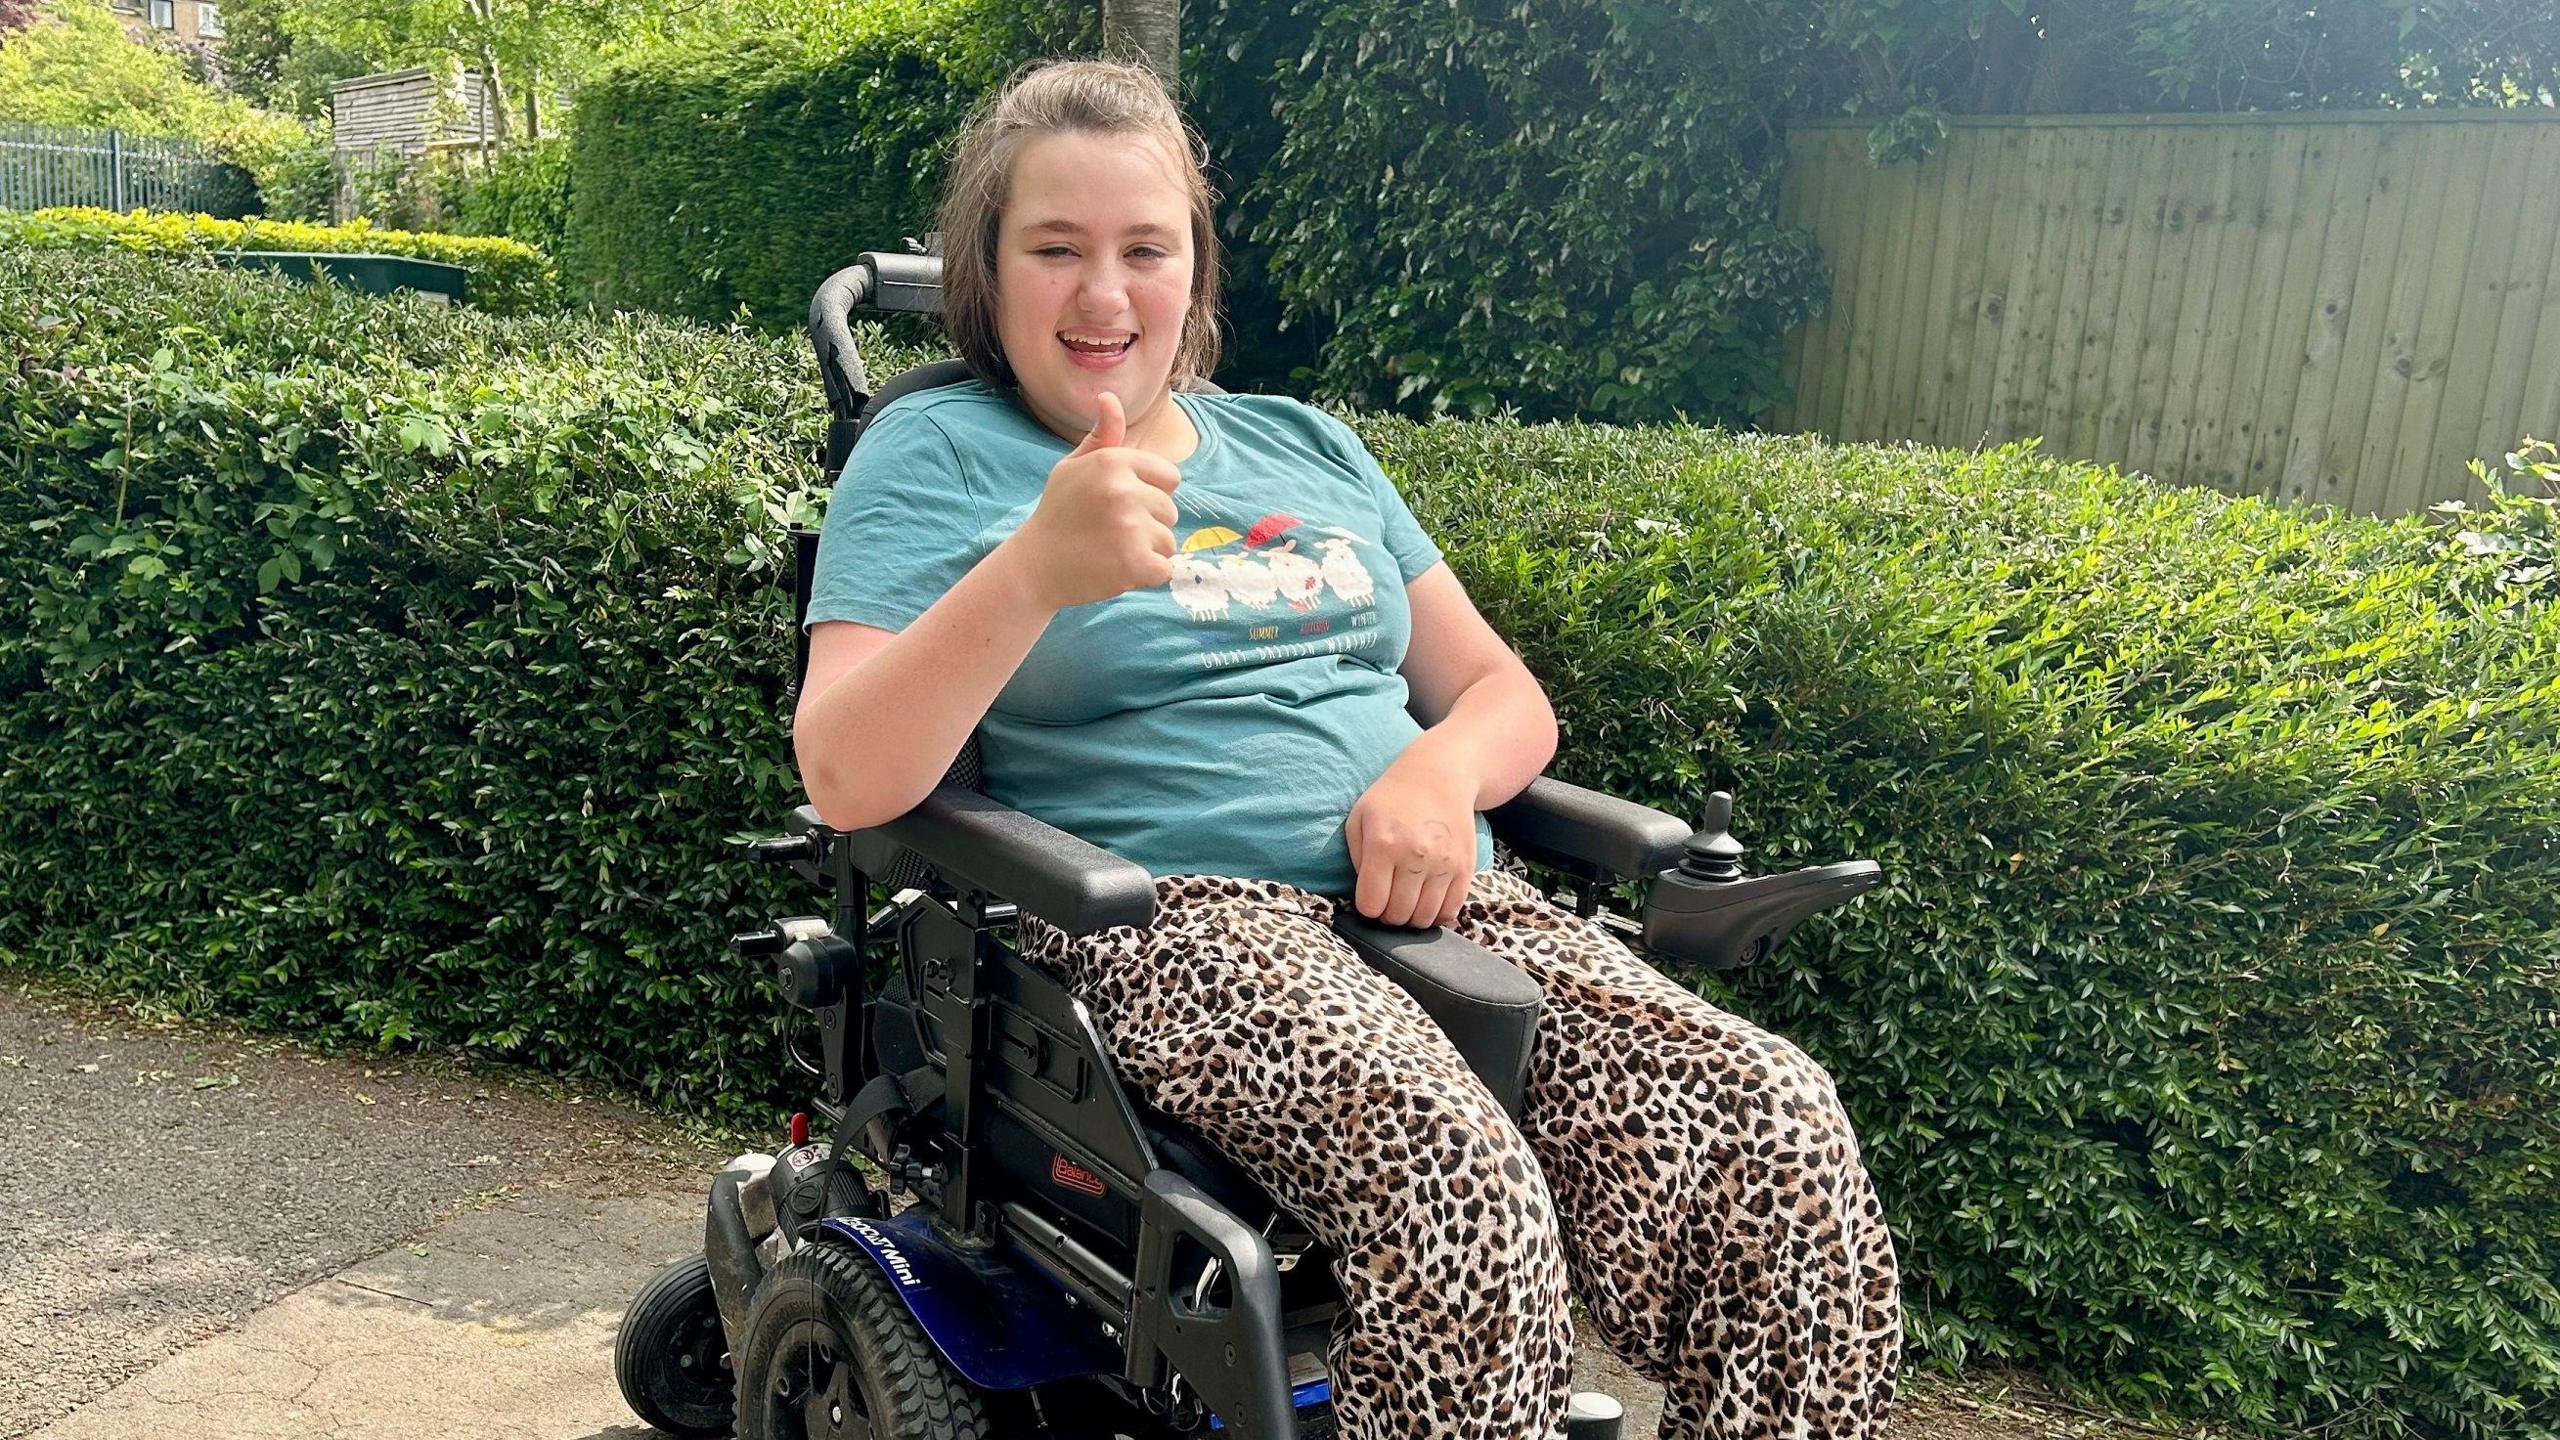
[1374,878]
[1459,883]
[1413,887]
[1404,891]
[1432,897]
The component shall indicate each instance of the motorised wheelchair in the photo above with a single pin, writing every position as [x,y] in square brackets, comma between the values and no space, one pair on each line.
[1075,1265]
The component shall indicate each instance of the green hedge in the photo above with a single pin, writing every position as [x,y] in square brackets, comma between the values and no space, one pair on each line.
[736,173]
[400,674]
[1566,208]
[507,278]
[524,195]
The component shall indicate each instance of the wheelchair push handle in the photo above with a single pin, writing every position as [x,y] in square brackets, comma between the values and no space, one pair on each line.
[882,280]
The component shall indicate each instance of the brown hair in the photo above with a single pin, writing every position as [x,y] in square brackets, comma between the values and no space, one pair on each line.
[1057,97]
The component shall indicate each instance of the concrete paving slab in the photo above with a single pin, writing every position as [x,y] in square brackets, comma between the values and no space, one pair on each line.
[498,1323]
[165,1180]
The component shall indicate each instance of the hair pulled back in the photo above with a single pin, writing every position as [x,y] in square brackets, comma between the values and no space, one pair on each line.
[1063,97]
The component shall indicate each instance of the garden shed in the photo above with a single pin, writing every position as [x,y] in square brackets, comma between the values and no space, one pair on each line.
[409,112]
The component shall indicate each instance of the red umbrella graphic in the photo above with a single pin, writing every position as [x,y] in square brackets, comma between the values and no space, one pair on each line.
[1269,528]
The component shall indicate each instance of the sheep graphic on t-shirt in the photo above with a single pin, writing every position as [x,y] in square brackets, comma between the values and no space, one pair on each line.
[1298,579]
[1248,581]
[1344,572]
[1199,588]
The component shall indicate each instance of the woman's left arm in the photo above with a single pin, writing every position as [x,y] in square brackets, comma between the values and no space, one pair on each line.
[1488,731]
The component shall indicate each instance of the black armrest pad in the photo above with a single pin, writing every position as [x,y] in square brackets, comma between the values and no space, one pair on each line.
[977,844]
[1558,824]
[1486,1005]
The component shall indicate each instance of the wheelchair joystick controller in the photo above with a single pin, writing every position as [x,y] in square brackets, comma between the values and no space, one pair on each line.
[1707,912]
[1713,855]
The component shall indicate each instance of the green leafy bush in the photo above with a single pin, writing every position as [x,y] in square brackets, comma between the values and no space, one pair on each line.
[1567,207]
[523,195]
[2202,1034]
[2519,525]
[397,673]
[506,277]
[735,172]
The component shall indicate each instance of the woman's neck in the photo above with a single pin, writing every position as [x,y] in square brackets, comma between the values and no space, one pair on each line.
[1167,431]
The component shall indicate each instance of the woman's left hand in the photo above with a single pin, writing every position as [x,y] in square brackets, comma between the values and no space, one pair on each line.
[1413,843]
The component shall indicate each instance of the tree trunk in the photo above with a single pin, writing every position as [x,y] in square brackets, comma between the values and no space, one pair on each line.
[492,101]
[1147,31]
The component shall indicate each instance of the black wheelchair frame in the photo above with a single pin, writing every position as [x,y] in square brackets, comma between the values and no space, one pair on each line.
[1063,1233]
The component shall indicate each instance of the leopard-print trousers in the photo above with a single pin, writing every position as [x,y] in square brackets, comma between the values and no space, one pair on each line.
[1693,1174]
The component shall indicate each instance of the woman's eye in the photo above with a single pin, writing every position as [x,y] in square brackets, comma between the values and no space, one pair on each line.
[1147,252]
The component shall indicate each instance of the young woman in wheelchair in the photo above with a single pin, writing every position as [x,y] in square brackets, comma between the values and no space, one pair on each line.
[1204,632]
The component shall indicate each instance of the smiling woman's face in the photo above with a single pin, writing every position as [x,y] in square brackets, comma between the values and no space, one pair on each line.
[1093,279]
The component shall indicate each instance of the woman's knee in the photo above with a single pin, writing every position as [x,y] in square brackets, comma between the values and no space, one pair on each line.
[1789,1099]
[1437,1145]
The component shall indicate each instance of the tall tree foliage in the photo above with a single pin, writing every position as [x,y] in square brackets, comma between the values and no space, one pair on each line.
[2070,56]
[535,52]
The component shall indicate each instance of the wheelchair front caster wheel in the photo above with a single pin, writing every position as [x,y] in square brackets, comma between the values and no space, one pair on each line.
[1593,1416]
[671,1358]
[830,1353]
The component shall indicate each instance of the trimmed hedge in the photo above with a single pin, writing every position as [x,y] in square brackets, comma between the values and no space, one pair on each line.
[507,277]
[735,174]
[1566,207]
[400,674]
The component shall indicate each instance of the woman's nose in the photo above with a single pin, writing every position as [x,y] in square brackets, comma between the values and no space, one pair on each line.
[1105,286]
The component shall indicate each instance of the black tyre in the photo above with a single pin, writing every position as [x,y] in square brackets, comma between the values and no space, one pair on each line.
[831,1353]
[671,1358]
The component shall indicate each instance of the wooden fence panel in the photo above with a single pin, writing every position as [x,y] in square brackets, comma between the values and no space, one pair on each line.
[2337,308]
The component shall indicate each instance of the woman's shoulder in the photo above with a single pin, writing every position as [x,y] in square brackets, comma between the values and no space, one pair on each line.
[1277,415]
[964,402]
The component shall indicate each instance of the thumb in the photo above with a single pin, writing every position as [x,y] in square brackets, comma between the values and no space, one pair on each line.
[1110,426]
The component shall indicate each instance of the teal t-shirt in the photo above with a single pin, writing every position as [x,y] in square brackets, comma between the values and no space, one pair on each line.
[1222,724]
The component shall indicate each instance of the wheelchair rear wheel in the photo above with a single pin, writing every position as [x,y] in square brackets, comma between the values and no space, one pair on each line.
[829,1353]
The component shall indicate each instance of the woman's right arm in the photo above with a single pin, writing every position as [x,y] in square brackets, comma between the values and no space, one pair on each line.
[883,712]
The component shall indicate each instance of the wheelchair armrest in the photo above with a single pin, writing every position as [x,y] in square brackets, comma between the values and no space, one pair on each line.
[977,844]
[1554,823]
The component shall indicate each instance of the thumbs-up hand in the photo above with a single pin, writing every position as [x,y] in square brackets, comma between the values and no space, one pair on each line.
[1104,525]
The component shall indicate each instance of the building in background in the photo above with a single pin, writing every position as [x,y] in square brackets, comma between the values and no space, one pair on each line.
[188,20]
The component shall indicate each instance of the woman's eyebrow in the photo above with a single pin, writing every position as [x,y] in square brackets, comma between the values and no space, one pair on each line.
[1143,230]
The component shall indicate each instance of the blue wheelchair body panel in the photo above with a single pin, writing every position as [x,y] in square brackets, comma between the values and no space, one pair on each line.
[1314,1392]
[1000,1327]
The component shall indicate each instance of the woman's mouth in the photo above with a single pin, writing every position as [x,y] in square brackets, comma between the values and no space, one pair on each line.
[1095,350]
